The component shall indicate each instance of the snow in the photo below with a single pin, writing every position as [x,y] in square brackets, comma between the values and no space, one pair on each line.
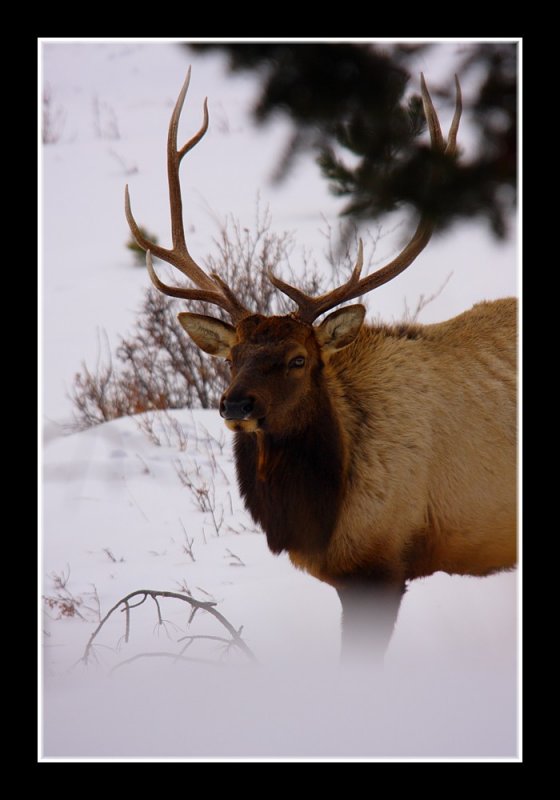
[115,507]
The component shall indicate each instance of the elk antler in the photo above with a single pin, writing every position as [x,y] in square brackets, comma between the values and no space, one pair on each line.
[312,307]
[211,288]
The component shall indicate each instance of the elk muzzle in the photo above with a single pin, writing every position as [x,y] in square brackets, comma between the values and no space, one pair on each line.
[239,412]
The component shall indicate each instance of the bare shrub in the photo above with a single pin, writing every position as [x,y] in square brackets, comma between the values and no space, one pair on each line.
[163,430]
[157,366]
[65,605]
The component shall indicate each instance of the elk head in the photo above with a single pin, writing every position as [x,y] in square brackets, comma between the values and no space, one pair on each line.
[276,361]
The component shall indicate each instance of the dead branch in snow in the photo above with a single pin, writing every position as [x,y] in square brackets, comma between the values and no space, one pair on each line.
[126,605]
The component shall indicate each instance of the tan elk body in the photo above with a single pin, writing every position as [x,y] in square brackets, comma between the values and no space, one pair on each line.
[371,454]
[428,415]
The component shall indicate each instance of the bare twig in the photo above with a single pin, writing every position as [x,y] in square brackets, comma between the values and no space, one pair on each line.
[242,528]
[220,443]
[412,316]
[97,602]
[217,521]
[203,493]
[236,561]
[187,547]
[112,557]
[184,587]
[60,579]
[228,643]
[213,600]
[196,605]
[156,601]
[175,433]
[174,656]
[145,423]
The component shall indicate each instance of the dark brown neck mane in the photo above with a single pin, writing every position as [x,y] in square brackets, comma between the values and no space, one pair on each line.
[293,485]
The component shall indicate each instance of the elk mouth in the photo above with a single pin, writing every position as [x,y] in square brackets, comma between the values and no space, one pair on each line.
[245,425]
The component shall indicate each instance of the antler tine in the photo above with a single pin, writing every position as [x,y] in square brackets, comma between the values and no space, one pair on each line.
[451,148]
[228,302]
[174,158]
[436,136]
[208,288]
[312,307]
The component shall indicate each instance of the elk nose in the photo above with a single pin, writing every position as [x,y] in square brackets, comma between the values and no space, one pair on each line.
[237,409]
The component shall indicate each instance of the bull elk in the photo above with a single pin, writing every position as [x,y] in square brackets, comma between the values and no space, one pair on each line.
[373,455]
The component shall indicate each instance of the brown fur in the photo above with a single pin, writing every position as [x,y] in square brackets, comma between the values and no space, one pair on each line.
[298,499]
[392,458]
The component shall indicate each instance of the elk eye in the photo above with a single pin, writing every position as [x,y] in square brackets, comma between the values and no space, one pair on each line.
[298,361]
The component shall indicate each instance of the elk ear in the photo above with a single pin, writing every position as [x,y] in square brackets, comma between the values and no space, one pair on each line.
[340,328]
[211,335]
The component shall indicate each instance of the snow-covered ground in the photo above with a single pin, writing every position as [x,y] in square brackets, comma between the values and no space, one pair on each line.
[118,515]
